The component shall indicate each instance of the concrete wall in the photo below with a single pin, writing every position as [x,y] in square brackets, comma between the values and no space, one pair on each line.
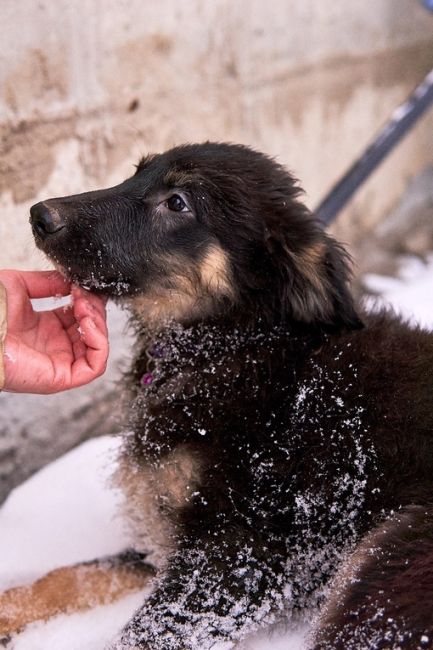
[87,86]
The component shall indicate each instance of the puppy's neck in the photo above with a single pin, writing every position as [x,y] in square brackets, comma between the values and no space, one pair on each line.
[175,347]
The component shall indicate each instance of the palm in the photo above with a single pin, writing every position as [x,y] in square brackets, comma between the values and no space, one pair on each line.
[53,350]
[43,340]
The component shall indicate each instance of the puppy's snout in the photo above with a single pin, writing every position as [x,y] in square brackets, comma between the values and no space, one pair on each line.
[46,220]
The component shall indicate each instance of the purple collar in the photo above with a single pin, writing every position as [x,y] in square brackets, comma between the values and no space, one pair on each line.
[154,354]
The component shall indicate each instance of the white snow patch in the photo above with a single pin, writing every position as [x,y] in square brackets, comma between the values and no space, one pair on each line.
[63,514]
[410,294]
[92,630]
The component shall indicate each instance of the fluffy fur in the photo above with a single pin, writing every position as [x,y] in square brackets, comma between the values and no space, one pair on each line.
[272,431]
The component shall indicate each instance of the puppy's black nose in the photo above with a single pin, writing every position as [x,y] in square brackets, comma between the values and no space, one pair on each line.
[45,219]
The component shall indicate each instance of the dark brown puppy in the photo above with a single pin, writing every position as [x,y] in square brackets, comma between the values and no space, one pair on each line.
[271,432]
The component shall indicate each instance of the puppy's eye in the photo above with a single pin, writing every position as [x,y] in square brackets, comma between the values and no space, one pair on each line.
[176,204]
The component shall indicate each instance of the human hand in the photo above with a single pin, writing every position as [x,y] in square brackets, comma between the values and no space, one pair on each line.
[50,351]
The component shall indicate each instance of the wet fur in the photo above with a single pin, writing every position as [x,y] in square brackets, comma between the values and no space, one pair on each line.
[281,429]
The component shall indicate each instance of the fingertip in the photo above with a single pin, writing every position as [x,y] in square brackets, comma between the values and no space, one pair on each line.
[89,367]
[77,291]
[93,336]
[86,325]
[83,309]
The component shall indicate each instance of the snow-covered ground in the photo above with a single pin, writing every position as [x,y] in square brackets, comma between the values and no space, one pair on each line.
[410,295]
[68,512]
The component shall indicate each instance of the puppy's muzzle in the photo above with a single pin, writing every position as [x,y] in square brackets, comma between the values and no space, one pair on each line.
[46,220]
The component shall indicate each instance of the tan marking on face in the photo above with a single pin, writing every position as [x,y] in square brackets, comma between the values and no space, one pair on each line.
[186,295]
[159,307]
[153,494]
[313,300]
[214,272]
[309,262]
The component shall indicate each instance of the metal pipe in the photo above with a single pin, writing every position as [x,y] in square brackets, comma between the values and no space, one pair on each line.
[402,119]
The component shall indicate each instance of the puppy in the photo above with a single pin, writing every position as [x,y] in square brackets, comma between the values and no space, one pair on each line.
[272,431]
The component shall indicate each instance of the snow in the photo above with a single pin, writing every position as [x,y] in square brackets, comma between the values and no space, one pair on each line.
[411,294]
[42,528]
[68,512]
[91,630]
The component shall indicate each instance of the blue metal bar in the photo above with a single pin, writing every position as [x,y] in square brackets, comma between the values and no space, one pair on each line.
[402,119]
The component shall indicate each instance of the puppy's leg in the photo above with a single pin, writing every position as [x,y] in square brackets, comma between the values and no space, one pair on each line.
[73,588]
[383,598]
[214,590]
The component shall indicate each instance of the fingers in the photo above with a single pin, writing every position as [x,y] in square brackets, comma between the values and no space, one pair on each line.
[92,359]
[71,346]
[44,284]
[84,306]
[75,334]
[88,304]
[91,347]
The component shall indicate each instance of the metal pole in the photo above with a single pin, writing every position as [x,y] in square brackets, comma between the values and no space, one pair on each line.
[402,119]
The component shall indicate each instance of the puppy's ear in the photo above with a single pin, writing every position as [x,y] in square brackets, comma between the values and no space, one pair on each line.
[312,271]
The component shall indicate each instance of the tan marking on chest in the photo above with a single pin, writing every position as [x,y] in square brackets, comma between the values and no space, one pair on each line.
[177,477]
[153,496]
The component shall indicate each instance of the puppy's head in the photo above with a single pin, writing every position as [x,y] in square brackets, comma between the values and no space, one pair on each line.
[199,231]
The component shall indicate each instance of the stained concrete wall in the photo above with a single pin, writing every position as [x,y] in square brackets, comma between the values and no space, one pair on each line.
[88,86]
